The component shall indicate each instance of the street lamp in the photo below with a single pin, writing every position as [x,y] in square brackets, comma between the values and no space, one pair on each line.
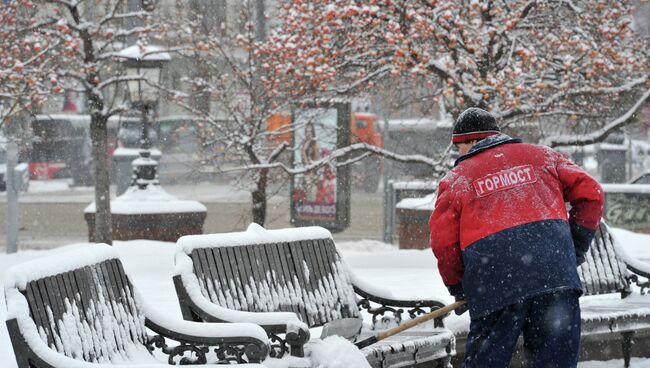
[144,65]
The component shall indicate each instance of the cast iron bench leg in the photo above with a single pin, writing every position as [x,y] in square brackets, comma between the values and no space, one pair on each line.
[627,347]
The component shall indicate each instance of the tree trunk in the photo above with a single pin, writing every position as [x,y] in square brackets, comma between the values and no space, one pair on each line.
[103,220]
[259,197]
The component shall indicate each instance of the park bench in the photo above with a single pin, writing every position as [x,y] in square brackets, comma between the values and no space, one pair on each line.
[291,280]
[79,309]
[607,318]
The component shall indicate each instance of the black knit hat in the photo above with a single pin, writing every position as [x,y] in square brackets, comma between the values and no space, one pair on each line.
[474,124]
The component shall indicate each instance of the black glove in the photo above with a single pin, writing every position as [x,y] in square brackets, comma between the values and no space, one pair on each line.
[459,294]
[582,238]
[462,309]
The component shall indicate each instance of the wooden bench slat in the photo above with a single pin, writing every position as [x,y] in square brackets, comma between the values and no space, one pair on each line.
[307,271]
[328,262]
[105,288]
[116,282]
[214,280]
[614,263]
[55,302]
[597,267]
[128,289]
[316,274]
[223,278]
[336,309]
[33,307]
[296,258]
[47,293]
[85,281]
[331,296]
[229,296]
[140,334]
[299,275]
[283,281]
[211,282]
[243,266]
[586,275]
[198,270]
[121,300]
[611,271]
[44,297]
[40,316]
[263,277]
[66,292]
[99,297]
[72,293]
[295,276]
[348,307]
[207,282]
[81,281]
[234,283]
[608,283]
[327,280]
[257,285]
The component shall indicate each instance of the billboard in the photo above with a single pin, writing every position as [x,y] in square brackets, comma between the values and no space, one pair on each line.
[321,195]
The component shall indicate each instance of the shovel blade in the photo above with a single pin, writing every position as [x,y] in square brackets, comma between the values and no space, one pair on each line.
[348,328]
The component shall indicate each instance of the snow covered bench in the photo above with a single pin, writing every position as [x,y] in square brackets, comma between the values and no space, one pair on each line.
[80,310]
[288,281]
[610,311]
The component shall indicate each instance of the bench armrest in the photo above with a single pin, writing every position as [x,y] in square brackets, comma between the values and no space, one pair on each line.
[196,306]
[388,303]
[29,348]
[243,338]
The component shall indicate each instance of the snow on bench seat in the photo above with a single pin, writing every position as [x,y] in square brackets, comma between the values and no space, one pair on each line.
[291,270]
[79,308]
[411,348]
[287,280]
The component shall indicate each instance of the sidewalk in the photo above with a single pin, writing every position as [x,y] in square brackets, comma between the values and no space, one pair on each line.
[51,212]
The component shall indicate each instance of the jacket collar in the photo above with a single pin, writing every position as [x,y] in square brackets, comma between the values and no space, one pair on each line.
[487,143]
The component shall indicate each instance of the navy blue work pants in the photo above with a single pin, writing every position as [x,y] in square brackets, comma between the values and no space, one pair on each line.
[549,322]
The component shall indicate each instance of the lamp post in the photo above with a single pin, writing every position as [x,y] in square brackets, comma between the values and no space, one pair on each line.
[144,64]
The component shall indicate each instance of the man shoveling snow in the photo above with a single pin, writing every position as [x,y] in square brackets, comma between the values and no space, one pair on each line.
[505,243]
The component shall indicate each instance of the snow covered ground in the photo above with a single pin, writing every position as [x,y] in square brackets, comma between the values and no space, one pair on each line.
[406,273]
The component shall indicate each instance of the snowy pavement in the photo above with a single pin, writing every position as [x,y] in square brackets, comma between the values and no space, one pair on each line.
[406,273]
[51,212]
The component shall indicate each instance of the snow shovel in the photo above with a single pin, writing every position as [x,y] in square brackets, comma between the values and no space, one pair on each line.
[408,324]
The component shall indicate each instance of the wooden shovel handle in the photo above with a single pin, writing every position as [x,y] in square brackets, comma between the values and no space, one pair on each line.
[416,321]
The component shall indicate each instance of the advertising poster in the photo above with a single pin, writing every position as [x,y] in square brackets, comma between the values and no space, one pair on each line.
[317,196]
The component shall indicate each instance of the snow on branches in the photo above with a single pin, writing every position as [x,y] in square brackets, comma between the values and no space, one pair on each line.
[515,58]
[25,61]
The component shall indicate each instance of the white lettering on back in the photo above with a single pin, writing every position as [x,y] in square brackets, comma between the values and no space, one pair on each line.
[504,179]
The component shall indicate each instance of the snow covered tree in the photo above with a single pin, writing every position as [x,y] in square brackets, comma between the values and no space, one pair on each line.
[526,61]
[235,92]
[25,66]
[250,80]
[89,35]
